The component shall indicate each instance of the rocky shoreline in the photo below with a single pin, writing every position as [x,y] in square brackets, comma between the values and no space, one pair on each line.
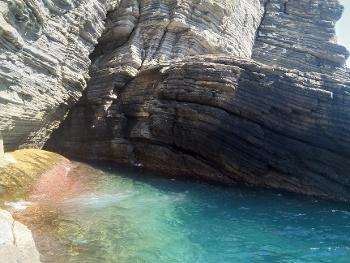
[16,241]
[19,170]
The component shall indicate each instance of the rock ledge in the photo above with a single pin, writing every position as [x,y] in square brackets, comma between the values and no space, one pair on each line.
[16,241]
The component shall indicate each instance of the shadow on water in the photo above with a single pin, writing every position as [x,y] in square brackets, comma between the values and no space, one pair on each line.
[180,184]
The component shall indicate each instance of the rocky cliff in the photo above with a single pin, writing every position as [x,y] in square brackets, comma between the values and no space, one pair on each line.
[300,34]
[44,61]
[229,91]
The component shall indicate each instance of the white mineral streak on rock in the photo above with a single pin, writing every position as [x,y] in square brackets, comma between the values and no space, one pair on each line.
[2,152]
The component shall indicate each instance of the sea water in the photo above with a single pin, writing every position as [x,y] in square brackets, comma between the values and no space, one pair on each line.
[105,214]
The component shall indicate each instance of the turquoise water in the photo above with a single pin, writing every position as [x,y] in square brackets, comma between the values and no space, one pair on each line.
[108,215]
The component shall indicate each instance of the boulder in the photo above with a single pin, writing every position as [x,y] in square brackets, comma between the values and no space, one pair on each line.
[16,241]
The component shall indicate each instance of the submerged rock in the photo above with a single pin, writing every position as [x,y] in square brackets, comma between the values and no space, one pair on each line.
[20,169]
[16,241]
[19,172]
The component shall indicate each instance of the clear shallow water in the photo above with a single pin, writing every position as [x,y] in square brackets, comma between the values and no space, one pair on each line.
[105,215]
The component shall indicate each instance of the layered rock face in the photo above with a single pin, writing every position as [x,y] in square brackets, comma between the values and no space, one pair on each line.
[281,121]
[229,91]
[226,120]
[44,60]
[141,34]
[300,35]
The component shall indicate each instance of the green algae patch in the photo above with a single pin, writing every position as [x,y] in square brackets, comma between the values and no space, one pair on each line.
[21,168]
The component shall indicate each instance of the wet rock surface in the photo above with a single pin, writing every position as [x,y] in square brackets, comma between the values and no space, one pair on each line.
[21,168]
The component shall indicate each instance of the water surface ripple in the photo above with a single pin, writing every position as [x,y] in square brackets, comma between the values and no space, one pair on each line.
[109,215]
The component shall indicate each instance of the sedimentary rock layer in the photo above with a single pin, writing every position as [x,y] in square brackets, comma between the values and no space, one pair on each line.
[44,60]
[174,87]
[222,118]
[144,33]
[45,48]
[227,120]
[300,34]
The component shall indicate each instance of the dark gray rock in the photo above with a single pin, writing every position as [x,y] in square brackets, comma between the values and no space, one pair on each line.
[227,120]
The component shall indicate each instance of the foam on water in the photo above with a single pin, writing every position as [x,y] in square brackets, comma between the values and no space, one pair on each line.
[18,205]
[95,200]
